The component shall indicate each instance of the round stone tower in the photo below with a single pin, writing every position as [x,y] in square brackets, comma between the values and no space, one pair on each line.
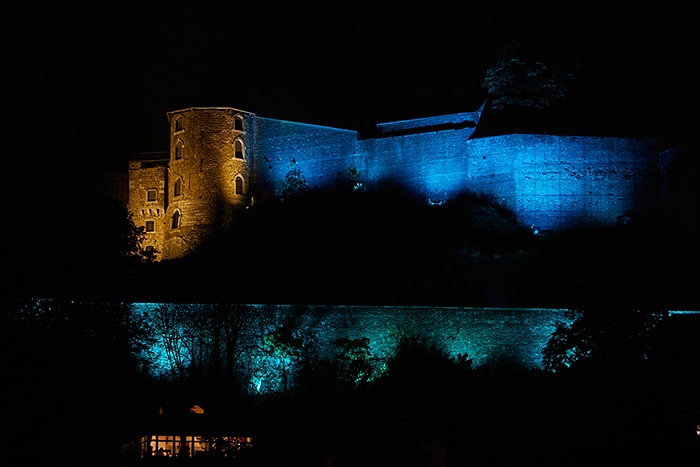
[208,174]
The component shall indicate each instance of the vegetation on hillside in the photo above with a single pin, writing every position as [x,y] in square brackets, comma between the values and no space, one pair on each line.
[352,247]
[359,247]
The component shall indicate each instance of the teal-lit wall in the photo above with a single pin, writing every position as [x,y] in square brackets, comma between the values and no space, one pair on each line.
[486,335]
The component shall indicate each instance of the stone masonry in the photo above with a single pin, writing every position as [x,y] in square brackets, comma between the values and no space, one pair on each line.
[221,159]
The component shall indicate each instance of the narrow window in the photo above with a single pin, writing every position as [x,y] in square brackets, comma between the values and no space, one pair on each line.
[176,220]
[150,226]
[152,196]
[178,123]
[239,185]
[239,149]
[178,187]
[179,149]
[238,123]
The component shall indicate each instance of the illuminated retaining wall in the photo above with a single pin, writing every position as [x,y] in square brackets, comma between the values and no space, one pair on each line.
[486,335]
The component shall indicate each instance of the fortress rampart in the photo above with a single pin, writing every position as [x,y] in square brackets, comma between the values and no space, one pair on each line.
[222,158]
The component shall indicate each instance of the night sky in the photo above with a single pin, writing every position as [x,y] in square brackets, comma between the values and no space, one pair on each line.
[88,84]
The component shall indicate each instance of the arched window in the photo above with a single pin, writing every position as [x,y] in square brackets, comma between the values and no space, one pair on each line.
[177,190]
[179,123]
[238,123]
[239,185]
[239,149]
[179,149]
[176,220]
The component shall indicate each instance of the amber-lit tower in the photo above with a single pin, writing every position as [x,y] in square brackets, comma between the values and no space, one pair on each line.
[208,174]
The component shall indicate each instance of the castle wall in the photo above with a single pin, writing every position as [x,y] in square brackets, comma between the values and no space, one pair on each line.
[323,155]
[550,182]
[149,174]
[430,165]
[568,181]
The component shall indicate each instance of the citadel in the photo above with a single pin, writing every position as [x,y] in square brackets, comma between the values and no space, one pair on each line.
[222,158]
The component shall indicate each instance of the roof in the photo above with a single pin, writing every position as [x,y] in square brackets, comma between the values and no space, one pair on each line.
[418,116]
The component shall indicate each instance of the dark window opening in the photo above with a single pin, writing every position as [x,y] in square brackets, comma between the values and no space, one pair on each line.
[239,186]
[176,220]
[239,149]
[152,195]
[178,187]
[238,123]
[179,150]
[150,226]
[178,124]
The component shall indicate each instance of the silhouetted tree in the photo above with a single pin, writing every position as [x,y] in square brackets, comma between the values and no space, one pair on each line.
[354,362]
[294,183]
[529,75]
[603,339]
[627,392]
[287,349]
[419,365]
[203,341]
[119,237]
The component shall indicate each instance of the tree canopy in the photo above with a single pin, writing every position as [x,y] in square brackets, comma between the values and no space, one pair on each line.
[603,338]
[529,74]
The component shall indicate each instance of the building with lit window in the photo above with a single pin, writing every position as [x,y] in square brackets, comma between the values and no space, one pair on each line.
[193,438]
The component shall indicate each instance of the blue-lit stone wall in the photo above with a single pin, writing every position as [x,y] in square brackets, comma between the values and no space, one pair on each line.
[550,182]
[321,154]
[431,165]
[491,168]
[565,181]
[555,182]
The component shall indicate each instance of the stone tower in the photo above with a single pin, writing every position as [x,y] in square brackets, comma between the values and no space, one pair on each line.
[208,173]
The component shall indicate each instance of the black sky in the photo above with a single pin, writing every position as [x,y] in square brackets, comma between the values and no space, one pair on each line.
[89,83]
